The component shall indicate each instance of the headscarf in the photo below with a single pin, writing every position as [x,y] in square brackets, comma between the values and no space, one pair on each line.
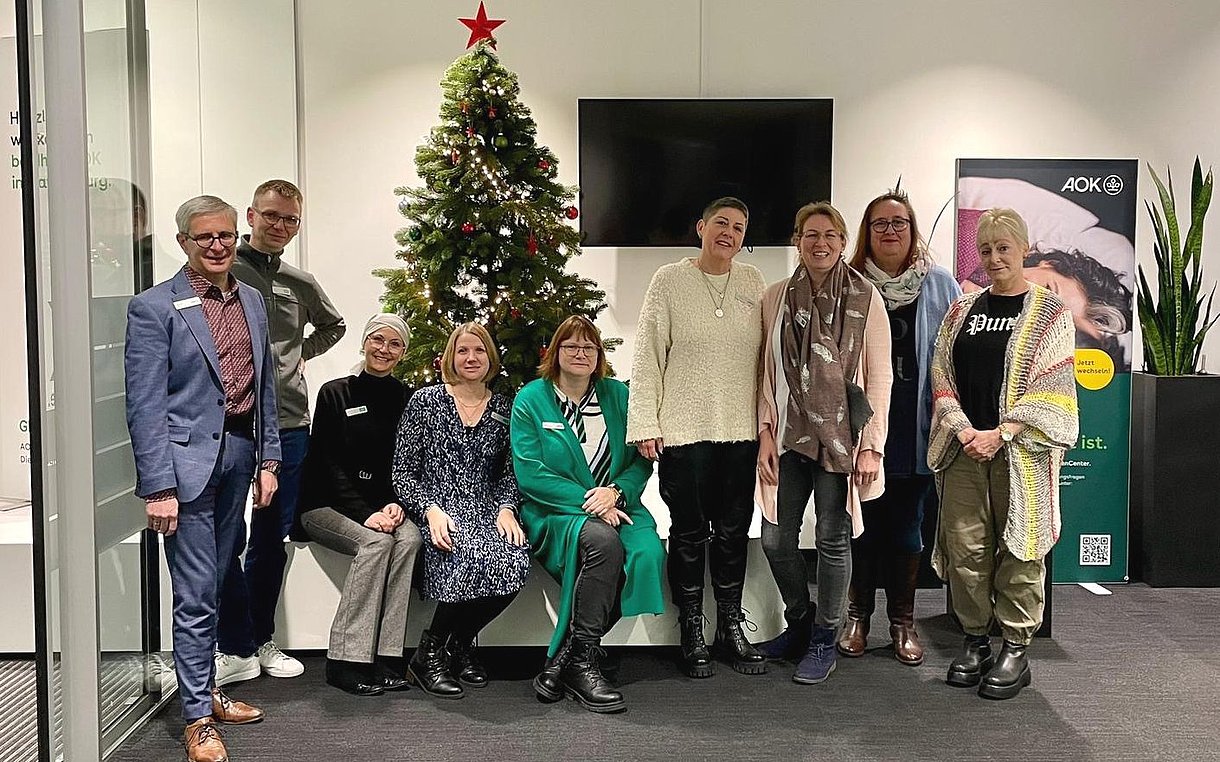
[376,323]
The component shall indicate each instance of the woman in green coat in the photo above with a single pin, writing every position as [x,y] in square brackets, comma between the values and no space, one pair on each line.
[580,487]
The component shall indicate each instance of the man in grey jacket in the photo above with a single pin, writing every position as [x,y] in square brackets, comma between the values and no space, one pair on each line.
[245,646]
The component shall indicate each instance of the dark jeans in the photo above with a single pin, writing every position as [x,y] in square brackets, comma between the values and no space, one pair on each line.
[596,604]
[251,594]
[709,489]
[798,477]
[893,523]
[197,561]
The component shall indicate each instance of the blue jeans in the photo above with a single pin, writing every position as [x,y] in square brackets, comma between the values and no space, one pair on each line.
[798,477]
[251,594]
[197,559]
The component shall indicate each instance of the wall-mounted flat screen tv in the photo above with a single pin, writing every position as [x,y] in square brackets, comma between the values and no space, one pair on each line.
[648,166]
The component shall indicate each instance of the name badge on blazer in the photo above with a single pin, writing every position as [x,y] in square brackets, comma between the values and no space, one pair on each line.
[356,411]
[552,426]
[182,304]
[282,291]
[496,416]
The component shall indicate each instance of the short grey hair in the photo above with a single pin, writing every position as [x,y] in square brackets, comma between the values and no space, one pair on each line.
[201,205]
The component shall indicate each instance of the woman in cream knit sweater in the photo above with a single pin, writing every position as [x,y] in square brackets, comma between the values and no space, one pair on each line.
[692,407]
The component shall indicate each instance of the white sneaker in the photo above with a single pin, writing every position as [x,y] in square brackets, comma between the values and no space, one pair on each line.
[277,663]
[233,669]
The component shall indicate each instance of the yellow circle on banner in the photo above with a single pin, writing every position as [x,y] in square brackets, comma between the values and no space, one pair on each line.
[1094,369]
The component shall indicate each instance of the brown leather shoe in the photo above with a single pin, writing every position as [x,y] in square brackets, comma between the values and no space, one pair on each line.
[907,648]
[230,712]
[203,742]
[854,639]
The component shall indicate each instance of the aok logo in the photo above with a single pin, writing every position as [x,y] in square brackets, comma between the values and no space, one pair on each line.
[1111,185]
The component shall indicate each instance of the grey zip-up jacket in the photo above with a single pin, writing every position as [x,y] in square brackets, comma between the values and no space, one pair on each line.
[293,298]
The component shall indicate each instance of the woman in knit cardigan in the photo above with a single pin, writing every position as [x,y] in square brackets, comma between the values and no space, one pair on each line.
[822,418]
[580,502]
[692,406]
[1004,411]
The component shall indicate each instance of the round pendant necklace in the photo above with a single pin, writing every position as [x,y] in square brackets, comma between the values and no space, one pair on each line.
[712,292]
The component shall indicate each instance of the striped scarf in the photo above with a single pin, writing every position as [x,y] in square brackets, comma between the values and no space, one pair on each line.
[575,414]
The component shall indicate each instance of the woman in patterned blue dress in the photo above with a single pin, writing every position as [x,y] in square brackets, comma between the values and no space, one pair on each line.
[453,475]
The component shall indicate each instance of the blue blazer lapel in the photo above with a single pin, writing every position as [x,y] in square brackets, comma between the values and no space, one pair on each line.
[251,301]
[198,324]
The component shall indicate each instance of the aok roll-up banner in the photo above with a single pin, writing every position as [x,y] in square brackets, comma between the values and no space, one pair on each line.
[1081,217]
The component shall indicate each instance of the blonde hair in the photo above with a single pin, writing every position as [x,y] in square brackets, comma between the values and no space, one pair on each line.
[826,210]
[448,373]
[1001,221]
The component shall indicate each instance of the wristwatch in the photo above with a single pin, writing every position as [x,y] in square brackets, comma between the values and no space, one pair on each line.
[1005,434]
[620,500]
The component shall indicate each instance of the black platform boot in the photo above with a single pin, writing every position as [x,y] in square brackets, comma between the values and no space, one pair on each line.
[696,658]
[967,669]
[731,643]
[583,681]
[464,663]
[546,682]
[1009,675]
[429,669]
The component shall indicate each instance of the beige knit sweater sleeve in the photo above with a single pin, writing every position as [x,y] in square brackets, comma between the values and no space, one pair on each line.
[652,342]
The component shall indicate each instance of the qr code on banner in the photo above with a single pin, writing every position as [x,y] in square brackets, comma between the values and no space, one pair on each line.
[1094,550]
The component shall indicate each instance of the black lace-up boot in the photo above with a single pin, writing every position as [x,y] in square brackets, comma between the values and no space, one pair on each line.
[546,683]
[429,669]
[696,658]
[583,681]
[731,643]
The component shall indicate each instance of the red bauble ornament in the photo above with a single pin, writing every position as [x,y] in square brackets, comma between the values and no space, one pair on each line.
[491,112]
[470,132]
[516,313]
[531,245]
[481,27]
[541,352]
[571,212]
[455,157]
[436,363]
[544,165]
[467,228]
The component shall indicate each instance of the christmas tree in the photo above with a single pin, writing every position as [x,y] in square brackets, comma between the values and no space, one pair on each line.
[488,235]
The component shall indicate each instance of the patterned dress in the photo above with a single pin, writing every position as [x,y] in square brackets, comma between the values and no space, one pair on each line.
[467,471]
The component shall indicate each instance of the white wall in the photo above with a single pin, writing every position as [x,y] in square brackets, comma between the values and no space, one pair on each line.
[916,86]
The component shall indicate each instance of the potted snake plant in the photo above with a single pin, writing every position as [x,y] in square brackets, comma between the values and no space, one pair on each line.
[1175,420]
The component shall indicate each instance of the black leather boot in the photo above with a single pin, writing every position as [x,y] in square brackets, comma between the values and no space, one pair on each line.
[1009,675]
[793,641]
[464,662]
[583,681]
[390,674]
[429,669]
[731,644]
[352,677]
[546,682]
[696,658]
[967,669]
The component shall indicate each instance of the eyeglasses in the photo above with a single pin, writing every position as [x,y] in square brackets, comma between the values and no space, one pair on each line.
[899,224]
[380,343]
[205,240]
[573,350]
[830,236]
[275,218]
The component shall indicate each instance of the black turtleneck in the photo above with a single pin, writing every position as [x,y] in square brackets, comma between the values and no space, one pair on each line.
[352,445]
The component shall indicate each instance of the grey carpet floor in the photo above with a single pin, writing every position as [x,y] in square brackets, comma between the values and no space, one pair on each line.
[1131,676]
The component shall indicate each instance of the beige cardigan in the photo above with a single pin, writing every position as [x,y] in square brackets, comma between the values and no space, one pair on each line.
[874,374]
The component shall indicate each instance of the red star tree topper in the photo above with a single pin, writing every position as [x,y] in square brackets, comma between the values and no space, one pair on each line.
[481,27]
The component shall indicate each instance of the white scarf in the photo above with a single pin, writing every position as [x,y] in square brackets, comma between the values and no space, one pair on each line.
[901,290]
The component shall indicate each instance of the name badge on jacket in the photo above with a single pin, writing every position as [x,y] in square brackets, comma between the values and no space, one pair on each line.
[283,291]
[552,426]
[497,417]
[356,411]
[182,304]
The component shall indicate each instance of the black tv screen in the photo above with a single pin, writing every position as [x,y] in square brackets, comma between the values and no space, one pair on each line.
[649,166]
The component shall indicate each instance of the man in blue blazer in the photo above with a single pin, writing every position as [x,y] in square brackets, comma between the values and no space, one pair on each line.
[201,409]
